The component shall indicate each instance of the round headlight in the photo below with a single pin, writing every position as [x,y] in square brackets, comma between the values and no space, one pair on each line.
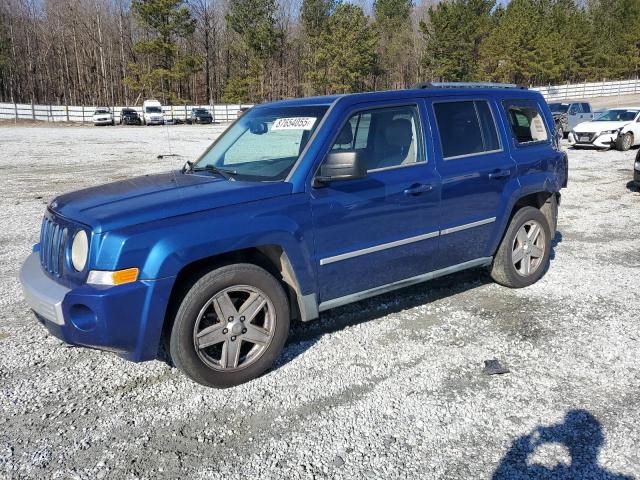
[79,250]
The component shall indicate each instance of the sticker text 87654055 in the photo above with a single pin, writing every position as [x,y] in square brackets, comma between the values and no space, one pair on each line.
[294,123]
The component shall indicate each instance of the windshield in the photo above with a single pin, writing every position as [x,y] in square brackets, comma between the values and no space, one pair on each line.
[153,110]
[265,143]
[200,110]
[617,116]
[101,110]
[559,107]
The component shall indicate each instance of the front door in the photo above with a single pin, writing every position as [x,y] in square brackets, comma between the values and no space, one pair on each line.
[383,228]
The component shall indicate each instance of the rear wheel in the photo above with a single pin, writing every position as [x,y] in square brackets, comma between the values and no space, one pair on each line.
[231,326]
[624,142]
[523,256]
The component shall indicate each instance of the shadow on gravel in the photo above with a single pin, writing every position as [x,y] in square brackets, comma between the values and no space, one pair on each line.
[581,433]
[632,187]
[304,335]
[555,241]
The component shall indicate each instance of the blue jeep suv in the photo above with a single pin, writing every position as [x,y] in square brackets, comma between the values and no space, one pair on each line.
[300,206]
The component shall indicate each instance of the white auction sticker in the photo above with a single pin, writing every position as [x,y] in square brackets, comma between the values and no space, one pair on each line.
[294,123]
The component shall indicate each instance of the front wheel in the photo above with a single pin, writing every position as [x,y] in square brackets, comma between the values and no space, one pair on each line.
[624,142]
[523,256]
[231,326]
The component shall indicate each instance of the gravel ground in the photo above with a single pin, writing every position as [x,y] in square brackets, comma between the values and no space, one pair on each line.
[389,387]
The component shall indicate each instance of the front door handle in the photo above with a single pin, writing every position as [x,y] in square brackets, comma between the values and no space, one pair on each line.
[500,173]
[418,188]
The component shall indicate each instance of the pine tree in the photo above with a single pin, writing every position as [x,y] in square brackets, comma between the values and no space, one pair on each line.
[162,66]
[254,23]
[349,48]
[394,29]
[314,16]
[453,34]
[616,26]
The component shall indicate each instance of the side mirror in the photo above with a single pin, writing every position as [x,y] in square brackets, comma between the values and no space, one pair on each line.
[341,166]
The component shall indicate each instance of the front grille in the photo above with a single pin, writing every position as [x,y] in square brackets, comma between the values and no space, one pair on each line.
[592,137]
[53,246]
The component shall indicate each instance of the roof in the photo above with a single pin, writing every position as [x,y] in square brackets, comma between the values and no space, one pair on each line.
[407,93]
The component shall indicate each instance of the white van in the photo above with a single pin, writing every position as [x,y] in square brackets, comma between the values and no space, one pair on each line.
[152,113]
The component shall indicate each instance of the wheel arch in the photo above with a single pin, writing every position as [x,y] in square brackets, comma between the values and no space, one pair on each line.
[273,258]
[537,198]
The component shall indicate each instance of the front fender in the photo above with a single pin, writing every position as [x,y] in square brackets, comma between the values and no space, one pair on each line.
[162,248]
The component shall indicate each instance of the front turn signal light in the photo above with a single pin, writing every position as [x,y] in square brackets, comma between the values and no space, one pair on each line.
[119,277]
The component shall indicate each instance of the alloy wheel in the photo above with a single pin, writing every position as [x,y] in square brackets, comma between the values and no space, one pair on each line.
[528,248]
[234,328]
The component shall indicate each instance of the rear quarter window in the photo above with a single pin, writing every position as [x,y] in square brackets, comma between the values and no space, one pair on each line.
[526,121]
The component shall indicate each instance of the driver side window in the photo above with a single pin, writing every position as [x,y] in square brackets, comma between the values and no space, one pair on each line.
[386,137]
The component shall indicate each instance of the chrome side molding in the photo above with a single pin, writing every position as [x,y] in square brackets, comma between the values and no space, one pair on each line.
[377,248]
[459,228]
[404,241]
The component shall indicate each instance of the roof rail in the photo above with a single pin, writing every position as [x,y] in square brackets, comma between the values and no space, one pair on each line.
[421,85]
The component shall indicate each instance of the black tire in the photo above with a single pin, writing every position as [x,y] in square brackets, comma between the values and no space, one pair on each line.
[624,142]
[503,270]
[185,354]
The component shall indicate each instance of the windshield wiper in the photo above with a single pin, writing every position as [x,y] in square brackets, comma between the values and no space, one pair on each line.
[226,173]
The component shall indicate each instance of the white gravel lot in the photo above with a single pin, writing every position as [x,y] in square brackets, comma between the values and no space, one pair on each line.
[391,387]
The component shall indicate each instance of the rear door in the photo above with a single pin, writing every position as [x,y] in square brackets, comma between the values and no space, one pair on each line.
[475,168]
[381,229]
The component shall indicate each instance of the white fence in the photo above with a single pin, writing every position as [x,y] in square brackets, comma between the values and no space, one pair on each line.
[590,90]
[62,113]
[228,113]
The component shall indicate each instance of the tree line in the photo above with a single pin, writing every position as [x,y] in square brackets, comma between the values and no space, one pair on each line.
[118,52]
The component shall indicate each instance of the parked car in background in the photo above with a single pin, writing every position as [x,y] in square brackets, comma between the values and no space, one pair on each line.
[636,170]
[152,113]
[241,111]
[128,116]
[569,114]
[614,128]
[299,207]
[103,116]
[200,115]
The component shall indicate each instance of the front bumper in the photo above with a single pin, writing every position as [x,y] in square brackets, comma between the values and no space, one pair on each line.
[606,140]
[43,295]
[103,121]
[126,319]
[155,121]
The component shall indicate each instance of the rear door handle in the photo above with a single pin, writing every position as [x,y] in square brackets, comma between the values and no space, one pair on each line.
[500,173]
[418,188]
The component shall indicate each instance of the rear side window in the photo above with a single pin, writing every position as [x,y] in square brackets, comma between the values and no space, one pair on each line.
[526,122]
[466,128]
[586,108]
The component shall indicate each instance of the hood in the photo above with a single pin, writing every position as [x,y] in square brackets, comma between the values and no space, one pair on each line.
[154,197]
[595,127]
